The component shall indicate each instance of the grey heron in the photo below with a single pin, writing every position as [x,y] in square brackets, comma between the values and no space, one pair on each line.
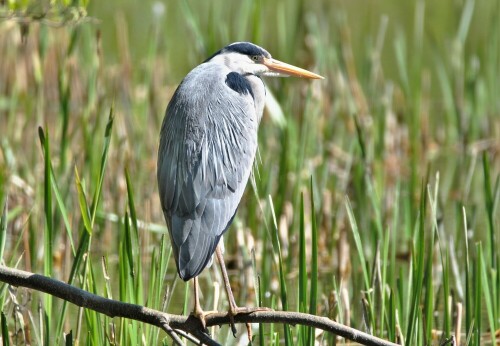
[208,142]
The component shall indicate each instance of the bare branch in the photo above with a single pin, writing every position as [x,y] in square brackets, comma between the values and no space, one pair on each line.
[169,322]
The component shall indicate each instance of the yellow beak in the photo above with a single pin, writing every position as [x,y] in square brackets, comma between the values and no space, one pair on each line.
[289,70]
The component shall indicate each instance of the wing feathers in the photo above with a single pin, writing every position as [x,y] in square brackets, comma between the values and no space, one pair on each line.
[207,147]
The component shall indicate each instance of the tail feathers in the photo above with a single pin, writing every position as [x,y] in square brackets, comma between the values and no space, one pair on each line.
[193,247]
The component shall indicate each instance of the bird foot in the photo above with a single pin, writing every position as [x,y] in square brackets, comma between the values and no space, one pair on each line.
[200,314]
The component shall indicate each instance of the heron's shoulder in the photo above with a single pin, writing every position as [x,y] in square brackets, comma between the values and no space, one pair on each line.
[208,72]
[213,78]
[201,80]
[220,76]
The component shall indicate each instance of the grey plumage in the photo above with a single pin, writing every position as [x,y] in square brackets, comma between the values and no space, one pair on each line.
[207,147]
[208,144]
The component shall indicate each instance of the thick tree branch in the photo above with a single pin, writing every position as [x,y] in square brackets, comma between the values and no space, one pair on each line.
[169,322]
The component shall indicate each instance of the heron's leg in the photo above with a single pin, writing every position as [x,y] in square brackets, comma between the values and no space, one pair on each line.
[233,308]
[198,311]
[227,286]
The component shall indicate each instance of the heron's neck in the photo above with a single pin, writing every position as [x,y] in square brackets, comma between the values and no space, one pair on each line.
[259,93]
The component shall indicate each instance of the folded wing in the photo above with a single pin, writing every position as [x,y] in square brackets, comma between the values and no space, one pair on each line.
[207,147]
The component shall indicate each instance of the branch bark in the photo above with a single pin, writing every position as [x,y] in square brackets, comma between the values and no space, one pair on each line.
[170,322]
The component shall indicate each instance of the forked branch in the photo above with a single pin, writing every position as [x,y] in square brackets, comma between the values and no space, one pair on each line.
[169,322]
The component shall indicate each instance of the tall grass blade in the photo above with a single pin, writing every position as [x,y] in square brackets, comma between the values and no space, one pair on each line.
[418,258]
[128,252]
[93,318]
[134,242]
[469,321]
[64,104]
[359,244]
[3,232]
[59,199]
[303,331]
[49,232]
[283,289]
[486,295]
[478,295]
[391,330]
[313,292]
[62,210]
[447,318]
[490,202]
[5,331]
[82,200]
[104,159]
[131,206]
[428,313]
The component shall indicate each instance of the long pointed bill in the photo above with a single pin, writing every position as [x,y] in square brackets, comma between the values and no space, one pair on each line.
[284,69]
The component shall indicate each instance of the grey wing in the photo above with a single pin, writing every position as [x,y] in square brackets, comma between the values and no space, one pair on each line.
[207,147]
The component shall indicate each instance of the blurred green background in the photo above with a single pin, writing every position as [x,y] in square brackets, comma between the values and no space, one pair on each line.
[375,198]
[191,30]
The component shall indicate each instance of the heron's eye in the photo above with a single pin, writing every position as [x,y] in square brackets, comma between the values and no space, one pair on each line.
[255,58]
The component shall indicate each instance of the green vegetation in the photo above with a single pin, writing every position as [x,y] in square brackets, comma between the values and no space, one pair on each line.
[375,194]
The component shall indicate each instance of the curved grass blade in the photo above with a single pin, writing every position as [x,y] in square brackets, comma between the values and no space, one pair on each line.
[104,159]
[357,241]
[82,200]
[57,194]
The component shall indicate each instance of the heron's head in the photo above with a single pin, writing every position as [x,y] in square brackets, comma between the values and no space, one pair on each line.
[248,58]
